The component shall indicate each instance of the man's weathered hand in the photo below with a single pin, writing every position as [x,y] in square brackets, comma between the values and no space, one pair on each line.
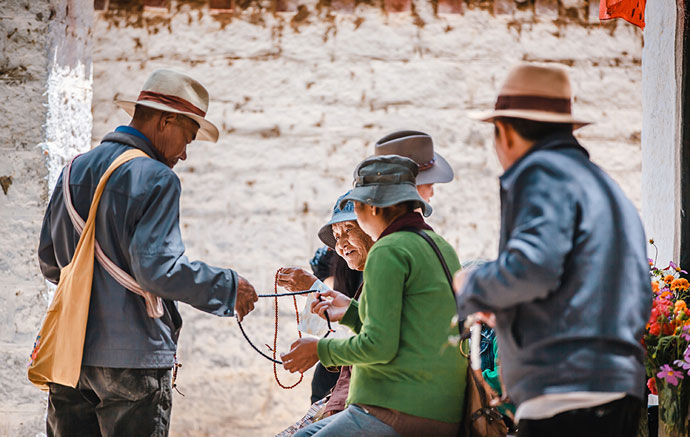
[246,296]
[489,319]
[294,279]
[303,355]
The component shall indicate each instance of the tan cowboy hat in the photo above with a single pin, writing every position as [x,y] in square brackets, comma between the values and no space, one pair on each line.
[418,146]
[535,92]
[170,91]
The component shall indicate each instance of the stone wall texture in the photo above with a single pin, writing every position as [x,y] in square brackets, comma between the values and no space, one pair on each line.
[300,97]
[661,133]
[45,100]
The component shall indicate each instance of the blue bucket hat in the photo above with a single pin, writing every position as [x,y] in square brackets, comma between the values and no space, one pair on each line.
[344,214]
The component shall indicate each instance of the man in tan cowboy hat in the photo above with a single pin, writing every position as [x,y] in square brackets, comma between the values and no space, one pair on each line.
[131,338]
[418,146]
[570,287]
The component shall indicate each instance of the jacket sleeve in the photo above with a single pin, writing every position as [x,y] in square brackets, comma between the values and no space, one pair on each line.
[379,335]
[157,256]
[46,253]
[531,264]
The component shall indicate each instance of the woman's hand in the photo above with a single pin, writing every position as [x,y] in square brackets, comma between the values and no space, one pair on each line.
[336,306]
[303,355]
[294,279]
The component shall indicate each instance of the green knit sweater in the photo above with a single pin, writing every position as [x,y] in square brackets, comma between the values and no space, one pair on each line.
[400,355]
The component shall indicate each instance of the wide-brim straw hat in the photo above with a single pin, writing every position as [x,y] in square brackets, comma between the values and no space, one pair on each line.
[346,213]
[171,91]
[418,146]
[387,180]
[535,92]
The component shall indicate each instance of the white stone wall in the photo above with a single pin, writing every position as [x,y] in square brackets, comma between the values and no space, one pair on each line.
[300,103]
[45,100]
[661,91]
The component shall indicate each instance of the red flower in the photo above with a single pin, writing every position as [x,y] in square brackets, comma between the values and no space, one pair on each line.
[651,385]
[655,329]
[668,328]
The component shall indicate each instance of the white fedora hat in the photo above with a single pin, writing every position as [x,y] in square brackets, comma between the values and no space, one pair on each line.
[534,92]
[171,91]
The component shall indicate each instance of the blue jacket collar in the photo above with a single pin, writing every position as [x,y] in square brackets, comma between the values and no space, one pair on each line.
[554,141]
[125,136]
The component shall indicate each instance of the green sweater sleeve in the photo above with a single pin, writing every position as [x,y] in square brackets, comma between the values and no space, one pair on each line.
[380,311]
[351,317]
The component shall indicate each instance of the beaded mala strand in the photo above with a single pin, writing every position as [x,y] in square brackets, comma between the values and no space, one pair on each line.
[273,359]
[275,336]
[275,295]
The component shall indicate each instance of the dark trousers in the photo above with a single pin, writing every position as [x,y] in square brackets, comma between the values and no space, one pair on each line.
[323,382]
[619,418]
[112,402]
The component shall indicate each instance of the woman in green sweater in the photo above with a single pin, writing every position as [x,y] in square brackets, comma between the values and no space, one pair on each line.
[406,378]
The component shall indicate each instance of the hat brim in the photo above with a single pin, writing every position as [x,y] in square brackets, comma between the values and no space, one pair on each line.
[326,231]
[388,195]
[440,173]
[207,130]
[544,116]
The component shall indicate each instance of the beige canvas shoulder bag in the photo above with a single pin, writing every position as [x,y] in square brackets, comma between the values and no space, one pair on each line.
[59,346]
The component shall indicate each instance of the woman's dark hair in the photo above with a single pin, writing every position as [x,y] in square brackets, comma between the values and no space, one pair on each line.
[390,211]
[535,130]
[345,280]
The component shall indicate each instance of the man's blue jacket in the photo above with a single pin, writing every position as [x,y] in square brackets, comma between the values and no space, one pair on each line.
[137,227]
[571,287]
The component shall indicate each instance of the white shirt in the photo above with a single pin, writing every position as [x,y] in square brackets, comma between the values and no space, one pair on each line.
[549,405]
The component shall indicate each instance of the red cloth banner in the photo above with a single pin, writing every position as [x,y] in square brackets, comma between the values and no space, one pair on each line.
[631,11]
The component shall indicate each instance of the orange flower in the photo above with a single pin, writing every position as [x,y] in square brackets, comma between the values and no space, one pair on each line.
[679,284]
[655,286]
[669,278]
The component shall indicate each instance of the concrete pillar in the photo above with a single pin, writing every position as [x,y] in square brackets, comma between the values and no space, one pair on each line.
[661,129]
[45,118]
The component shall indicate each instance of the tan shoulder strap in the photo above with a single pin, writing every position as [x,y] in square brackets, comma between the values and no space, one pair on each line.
[154,304]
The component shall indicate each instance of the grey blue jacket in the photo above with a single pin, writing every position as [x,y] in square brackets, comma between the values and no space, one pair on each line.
[570,288]
[138,228]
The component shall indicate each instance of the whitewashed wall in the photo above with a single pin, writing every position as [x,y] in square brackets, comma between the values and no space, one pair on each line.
[45,101]
[299,103]
[661,90]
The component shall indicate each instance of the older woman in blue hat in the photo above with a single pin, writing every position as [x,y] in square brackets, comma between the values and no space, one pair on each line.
[342,234]
[405,380]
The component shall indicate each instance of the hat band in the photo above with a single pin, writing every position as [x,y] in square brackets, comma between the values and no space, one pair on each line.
[539,103]
[174,102]
[361,181]
[427,165]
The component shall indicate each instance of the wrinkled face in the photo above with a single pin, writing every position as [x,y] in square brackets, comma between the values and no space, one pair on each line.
[351,243]
[175,132]
[426,191]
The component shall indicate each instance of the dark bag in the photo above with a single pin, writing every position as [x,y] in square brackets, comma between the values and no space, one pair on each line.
[481,419]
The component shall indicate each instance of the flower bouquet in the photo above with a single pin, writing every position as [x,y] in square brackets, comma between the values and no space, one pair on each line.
[667,340]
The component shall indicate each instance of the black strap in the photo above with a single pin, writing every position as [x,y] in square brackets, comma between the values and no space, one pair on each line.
[491,413]
[446,270]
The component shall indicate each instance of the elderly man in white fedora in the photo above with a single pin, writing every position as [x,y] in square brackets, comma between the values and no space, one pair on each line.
[570,287]
[418,146]
[124,388]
